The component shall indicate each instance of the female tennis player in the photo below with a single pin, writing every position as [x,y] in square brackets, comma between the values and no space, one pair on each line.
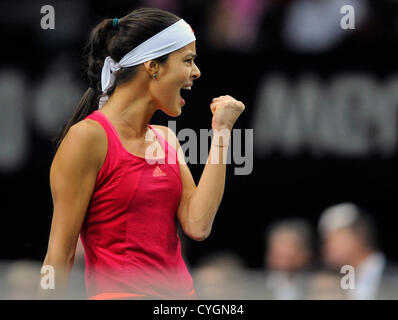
[124,207]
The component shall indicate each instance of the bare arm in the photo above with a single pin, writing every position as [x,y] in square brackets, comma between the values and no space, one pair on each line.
[72,178]
[199,204]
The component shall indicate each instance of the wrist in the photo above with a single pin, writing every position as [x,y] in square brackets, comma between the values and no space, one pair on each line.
[221,137]
[222,127]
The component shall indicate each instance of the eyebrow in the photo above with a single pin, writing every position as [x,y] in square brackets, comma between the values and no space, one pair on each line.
[192,54]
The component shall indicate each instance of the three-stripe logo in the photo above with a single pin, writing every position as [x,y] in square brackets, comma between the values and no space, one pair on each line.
[157,172]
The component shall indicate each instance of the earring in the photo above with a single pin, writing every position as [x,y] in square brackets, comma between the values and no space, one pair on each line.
[154,75]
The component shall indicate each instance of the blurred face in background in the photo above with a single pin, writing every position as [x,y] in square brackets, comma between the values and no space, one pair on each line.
[286,252]
[215,282]
[341,246]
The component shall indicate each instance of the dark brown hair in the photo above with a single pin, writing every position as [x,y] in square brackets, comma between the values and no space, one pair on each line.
[105,40]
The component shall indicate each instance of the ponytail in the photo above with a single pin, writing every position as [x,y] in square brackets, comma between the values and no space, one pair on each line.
[88,103]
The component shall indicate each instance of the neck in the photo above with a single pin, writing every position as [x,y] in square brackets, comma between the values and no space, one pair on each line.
[131,108]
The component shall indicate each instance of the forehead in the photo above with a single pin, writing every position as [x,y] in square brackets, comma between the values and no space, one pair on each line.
[188,49]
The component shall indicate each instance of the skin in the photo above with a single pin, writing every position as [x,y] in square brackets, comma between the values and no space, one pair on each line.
[344,247]
[82,153]
[286,252]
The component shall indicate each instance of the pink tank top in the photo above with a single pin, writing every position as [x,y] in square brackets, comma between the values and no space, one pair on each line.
[130,230]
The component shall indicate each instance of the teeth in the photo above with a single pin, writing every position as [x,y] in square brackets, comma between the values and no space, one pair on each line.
[187,88]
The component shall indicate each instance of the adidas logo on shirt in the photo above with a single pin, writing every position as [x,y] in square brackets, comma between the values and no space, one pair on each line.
[157,172]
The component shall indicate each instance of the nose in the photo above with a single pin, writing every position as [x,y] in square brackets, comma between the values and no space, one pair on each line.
[196,72]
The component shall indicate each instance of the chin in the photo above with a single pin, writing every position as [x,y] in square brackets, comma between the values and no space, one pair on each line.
[172,112]
[176,114]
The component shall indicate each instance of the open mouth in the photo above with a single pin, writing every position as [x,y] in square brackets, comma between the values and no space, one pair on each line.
[184,89]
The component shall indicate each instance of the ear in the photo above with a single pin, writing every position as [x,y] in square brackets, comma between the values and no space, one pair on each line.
[151,67]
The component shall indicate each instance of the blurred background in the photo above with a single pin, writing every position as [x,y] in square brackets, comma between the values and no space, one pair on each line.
[322,101]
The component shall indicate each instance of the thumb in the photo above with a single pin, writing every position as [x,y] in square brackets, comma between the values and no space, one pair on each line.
[213,107]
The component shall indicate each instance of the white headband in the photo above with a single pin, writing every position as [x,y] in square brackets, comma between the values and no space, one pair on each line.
[168,40]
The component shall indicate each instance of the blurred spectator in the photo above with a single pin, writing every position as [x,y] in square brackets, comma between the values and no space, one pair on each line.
[314,25]
[234,24]
[325,285]
[20,280]
[349,238]
[220,275]
[288,258]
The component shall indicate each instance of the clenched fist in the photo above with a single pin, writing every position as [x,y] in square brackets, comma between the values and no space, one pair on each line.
[226,111]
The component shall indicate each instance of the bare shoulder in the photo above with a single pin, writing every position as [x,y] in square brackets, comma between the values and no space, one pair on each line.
[89,127]
[90,133]
[85,140]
